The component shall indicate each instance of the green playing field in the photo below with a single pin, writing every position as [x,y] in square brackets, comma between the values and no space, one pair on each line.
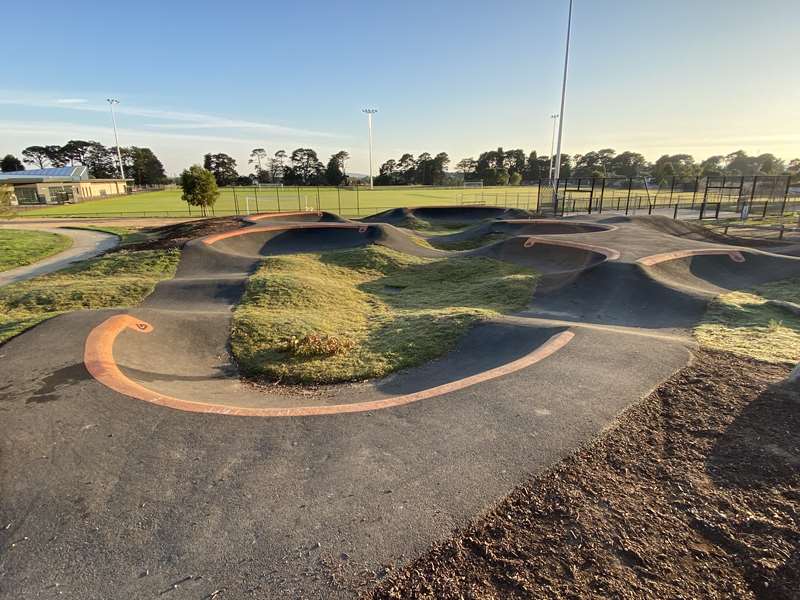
[354,202]
[347,201]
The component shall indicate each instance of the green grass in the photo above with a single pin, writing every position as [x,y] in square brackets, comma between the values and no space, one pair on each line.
[352,315]
[126,235]
[20,247]
[345,201]
[745,324]
[470,244]
[121,279]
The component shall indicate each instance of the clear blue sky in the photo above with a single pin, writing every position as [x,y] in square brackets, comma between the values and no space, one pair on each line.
[701,76]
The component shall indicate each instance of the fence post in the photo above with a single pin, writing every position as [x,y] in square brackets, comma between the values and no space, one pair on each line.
[235,201]
[602,194]
[696,187]
[278,196]
[299,207]
[358,203]
[255,191]
[786,193]
[630,187]
[672,189]
[319,205]
[339,199]
[675,214]
[539,194]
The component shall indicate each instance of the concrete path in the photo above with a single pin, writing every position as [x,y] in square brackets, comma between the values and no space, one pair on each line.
[85,244]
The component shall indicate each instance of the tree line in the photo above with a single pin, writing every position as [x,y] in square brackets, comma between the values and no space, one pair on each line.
[494,167]
[139,164]
[504,167]
[301,167]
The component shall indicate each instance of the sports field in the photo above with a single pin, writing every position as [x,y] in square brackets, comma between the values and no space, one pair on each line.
[346,201]
[354,202]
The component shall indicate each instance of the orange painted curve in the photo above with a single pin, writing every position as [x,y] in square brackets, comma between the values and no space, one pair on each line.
[609,253]
[649,261]
[277,215]
[99,360]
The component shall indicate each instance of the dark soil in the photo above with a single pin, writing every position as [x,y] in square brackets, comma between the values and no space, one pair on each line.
[694,493]
[175,236]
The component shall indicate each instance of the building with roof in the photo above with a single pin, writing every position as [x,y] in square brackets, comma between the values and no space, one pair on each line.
[60,185]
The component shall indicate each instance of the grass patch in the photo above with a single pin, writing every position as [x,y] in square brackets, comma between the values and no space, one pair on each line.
[351,315]
[119,280]
[21,247]
[746,324]
[127,235]
[470,244]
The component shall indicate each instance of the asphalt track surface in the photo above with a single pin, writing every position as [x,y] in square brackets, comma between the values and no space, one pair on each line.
[85,244]
[112,490]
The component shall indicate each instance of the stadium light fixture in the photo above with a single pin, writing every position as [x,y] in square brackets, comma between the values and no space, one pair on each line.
[111,103]
[552,148]
[369,112]
[557,168]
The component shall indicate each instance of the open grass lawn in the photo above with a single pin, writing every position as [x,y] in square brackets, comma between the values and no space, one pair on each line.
[19,247]
[351,315]
[345,201]
[120,279]
[348,201]
[747,324]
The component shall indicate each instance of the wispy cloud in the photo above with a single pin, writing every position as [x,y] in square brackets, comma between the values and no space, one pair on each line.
[178,148]
[166,119]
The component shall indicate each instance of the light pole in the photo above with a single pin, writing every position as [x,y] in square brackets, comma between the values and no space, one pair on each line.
[111,103]
[557,168]
[552,147]
[370,112]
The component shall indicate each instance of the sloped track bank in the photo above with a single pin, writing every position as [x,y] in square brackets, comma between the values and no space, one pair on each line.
[694,493]
[182,360]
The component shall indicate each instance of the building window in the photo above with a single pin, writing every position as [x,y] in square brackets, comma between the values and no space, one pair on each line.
[28,195]
[60,194]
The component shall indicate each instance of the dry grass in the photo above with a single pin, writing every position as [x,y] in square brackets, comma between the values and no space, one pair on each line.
[358,314]
[118,280]
[746,324]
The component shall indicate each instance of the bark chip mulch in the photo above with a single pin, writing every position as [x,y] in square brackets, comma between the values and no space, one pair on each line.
[175,236]
[694,493]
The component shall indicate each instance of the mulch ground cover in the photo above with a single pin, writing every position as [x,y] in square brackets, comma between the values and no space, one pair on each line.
[175,236]
[694,493]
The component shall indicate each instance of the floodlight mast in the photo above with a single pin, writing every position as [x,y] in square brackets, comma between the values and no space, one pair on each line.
[552,147]
[557,168]
[111,103]
[369,112]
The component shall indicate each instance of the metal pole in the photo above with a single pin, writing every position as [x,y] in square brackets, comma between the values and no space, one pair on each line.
[557,168]
[111,103]
[552,148]
[370,112]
